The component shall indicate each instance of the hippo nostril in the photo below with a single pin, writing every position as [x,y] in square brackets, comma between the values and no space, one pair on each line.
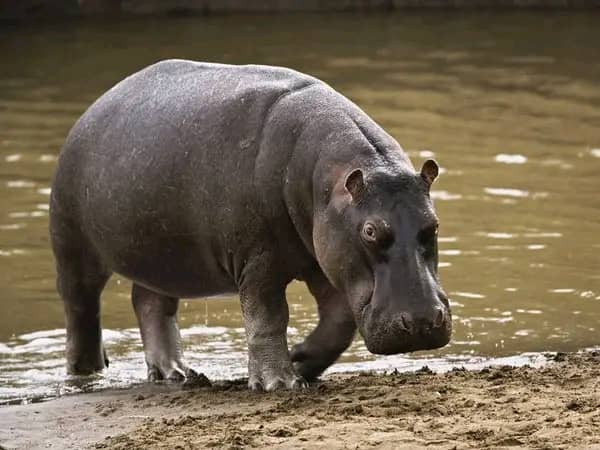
[438,319]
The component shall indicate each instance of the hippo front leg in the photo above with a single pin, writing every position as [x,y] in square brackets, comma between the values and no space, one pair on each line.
[333,334]
[266,316]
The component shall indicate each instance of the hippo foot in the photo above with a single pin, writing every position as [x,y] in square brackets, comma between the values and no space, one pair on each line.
[87,363]
[309,370]
[177,373]
[270,382]
[309,366]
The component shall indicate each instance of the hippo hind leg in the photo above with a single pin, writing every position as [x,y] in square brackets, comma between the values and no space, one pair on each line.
[81,276]
[333,334]
[157,319]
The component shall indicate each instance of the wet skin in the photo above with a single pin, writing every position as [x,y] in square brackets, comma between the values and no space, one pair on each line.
[196,179]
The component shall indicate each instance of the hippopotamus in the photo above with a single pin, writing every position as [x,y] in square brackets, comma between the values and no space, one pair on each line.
[197,179]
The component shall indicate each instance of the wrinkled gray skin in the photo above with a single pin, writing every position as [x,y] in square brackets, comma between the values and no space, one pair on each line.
[196,179]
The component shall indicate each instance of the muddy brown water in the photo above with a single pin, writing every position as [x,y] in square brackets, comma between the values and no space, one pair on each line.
[509,104]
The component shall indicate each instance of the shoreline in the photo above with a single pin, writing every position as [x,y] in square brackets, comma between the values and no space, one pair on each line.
[104,382]
[554,406]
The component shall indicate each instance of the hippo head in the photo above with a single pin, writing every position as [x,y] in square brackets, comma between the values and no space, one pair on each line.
[376,240]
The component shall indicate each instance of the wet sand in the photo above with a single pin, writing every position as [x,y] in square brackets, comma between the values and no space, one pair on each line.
[556,406]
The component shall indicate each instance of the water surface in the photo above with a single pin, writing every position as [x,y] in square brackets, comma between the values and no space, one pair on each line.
[509,104]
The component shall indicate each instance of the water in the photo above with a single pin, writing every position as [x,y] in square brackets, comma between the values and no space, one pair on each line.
[509,104]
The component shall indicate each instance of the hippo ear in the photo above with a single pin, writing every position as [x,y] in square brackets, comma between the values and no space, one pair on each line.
[355,184]
[430,171]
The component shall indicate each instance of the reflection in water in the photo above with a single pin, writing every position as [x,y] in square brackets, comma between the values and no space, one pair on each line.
[509,105]
[510,159]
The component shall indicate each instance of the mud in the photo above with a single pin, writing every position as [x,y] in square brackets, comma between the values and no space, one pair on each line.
[556,406]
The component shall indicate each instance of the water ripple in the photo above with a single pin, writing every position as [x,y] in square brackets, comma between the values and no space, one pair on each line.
[507,192]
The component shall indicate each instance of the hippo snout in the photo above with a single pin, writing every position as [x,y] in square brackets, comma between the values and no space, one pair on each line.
[391,333]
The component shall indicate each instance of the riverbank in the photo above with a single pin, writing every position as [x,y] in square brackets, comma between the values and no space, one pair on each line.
[556,406]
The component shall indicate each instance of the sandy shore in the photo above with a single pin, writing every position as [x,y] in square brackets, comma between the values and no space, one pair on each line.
[557,406]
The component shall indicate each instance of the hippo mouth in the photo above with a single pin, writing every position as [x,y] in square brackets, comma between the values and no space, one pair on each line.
[385,334]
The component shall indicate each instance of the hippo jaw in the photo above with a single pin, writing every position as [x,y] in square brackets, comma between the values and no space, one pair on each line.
[392,327]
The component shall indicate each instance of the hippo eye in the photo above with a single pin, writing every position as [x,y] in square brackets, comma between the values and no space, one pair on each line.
[369,232]
[377,233]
